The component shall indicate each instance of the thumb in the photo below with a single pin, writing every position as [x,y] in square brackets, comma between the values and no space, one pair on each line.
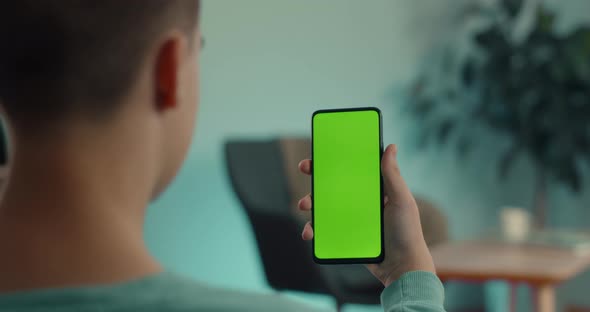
[394,185]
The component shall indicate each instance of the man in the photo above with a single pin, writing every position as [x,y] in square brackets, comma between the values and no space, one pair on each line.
[101,99]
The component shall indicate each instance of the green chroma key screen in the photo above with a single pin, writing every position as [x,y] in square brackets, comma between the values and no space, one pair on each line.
[347,199]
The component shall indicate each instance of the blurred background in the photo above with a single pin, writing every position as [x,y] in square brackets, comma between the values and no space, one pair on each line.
[267,65]
[488,102]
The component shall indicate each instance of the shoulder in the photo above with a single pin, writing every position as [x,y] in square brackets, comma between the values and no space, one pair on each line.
[166,292]
[188,295]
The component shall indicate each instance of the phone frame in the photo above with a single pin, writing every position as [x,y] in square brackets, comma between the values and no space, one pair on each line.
[381,256]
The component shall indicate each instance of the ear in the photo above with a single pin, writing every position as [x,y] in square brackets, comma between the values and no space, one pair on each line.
[167,73]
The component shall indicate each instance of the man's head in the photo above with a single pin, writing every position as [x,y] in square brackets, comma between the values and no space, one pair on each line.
[69,67]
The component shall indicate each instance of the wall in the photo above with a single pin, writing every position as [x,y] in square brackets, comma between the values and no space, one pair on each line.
[267,65]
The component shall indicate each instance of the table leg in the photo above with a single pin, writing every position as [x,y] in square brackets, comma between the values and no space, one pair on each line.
[544,298]
[513,296]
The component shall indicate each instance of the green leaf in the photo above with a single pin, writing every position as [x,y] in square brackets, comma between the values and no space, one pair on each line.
[468,73]
[576,47]
[490,39]
[444,130]
[512,7]
[570,175]
[584,35]
[545,19]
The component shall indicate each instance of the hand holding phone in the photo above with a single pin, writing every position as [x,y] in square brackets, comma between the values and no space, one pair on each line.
[404,246]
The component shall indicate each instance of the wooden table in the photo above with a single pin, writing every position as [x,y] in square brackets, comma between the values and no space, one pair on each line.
[542,268]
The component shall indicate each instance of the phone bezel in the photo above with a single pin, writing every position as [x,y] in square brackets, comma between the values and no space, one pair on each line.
[381,255]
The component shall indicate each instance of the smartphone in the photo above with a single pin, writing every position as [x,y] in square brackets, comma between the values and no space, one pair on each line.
[347,188]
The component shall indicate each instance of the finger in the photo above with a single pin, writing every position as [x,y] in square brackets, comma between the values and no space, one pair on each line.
[307,232]
[395,186]
[305,203]
[385,200]
[305,166]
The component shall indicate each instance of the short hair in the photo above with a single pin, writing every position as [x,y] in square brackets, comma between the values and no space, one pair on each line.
[64,57]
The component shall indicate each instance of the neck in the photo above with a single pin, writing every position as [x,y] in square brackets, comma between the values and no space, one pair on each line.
[73,217]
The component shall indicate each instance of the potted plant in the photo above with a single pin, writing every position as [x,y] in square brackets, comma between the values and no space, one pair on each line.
[533,89]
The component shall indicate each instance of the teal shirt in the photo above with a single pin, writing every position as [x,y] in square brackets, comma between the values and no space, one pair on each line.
[167,292]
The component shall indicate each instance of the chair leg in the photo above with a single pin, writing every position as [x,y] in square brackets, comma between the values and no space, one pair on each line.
[339,305]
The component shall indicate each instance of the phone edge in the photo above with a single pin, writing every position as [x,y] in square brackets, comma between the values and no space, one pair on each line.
[381,256]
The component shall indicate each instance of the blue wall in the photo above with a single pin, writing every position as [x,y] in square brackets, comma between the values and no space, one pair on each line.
[267,66]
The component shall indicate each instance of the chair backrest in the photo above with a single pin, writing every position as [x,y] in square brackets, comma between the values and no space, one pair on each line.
[256,170]
[434,223]
[293,150]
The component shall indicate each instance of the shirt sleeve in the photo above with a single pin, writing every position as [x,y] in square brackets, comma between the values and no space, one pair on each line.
[416,291]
